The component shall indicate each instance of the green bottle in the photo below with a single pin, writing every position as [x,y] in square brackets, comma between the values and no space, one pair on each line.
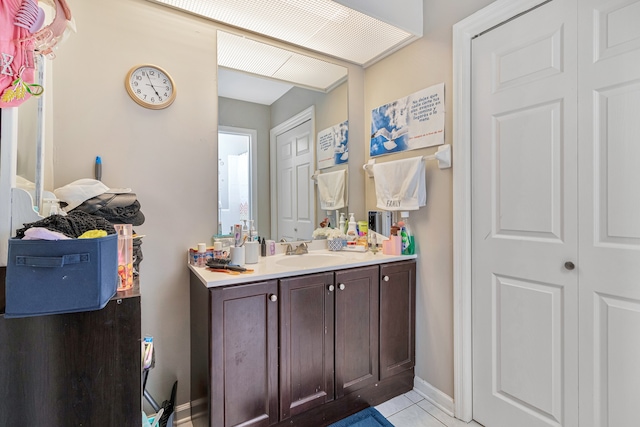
[408,245]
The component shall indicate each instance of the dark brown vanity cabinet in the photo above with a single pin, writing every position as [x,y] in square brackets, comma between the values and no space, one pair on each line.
[303,350]
[244,355]
[328,337]
[356,352]
[306,343]
[397,318]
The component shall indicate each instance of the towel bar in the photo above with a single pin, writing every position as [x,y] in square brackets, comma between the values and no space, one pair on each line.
[443,156]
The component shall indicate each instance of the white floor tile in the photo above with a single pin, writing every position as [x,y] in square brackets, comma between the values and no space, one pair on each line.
[414,396]
[394,405]
[443,417]
[414,416]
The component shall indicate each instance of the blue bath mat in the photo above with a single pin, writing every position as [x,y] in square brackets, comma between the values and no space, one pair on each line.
[369,417]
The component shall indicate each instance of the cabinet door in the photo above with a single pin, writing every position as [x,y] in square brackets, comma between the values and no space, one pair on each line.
[244,350]
[357,292]
[397,317]
[306,343]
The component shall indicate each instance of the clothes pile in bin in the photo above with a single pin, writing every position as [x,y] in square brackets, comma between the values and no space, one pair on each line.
[61,264]
[68,262]
[116,205]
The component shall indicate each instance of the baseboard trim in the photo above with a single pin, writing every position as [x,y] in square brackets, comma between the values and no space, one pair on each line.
[183,412]
[441,400]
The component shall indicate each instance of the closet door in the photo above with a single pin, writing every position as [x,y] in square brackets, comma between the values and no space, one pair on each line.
[609,177]
[524,201]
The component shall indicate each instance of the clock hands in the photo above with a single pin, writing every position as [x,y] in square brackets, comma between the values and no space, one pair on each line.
[152,86]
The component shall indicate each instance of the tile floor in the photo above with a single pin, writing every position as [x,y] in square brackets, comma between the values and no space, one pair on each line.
[413,410]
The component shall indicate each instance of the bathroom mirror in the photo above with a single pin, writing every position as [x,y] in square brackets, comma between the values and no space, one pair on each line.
[262,87]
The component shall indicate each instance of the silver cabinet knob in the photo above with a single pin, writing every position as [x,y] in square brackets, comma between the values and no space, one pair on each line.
[385,278]
[341,286]
[273,298]
[569,265]
[332,288]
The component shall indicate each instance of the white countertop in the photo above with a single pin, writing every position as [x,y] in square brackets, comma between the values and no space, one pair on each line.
[274,267]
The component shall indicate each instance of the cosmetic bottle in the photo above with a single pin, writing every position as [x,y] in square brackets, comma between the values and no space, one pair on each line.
[352,232]
[341,224]
[253,233]
[408,245]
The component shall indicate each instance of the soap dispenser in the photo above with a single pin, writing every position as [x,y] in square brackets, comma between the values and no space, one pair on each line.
[342,223]
[253,234]
[352,231]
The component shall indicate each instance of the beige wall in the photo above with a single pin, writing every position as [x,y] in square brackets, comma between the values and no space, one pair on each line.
[426,62]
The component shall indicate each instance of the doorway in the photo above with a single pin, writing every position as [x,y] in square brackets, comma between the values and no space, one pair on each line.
[293,207]
[237,200]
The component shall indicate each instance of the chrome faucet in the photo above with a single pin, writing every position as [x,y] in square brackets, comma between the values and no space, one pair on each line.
[301,249]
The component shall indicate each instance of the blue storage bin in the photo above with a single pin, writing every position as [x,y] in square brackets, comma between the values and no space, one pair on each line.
[62,276]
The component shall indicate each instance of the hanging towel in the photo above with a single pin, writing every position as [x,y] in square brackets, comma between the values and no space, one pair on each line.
[400,184]
[332,190]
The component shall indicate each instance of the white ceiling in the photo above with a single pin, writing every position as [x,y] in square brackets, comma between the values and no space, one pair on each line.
[254,71]
[245,87]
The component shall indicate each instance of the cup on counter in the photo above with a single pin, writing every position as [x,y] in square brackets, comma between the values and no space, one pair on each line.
[271,247]
[237,254]
[252,252]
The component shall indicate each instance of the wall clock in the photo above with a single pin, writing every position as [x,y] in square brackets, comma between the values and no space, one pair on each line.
[150,86]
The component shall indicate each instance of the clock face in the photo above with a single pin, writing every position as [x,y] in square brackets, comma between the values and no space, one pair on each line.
[150,86]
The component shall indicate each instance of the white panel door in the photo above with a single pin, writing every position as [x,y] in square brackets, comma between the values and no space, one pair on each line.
[295,198]
[609,181]
[524,228]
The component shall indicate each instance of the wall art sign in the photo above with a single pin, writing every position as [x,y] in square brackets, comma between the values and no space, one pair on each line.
[415,121]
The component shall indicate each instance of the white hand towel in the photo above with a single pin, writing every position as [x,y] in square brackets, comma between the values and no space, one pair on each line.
[332,190]
[400,184]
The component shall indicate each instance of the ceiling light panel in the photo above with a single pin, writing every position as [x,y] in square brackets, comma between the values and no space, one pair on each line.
[321,25]
[251,56]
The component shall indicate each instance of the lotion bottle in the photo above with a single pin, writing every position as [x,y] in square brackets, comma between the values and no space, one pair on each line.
[342,223]
[352,232]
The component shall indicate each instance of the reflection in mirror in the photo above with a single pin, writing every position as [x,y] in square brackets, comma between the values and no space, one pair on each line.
[260,87]
[236,162]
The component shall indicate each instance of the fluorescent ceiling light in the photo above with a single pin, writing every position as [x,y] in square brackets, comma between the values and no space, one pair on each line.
[254,57]
[320,25]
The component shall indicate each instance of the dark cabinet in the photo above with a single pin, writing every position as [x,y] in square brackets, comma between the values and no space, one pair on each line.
[77,369]
[397,318]
[244,355]
[304,350]
[306,343]
[356,352]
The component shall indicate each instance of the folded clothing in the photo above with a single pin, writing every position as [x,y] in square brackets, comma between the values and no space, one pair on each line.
[122,208]
[73,225]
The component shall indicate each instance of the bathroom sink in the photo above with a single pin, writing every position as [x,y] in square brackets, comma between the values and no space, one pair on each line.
[309,260]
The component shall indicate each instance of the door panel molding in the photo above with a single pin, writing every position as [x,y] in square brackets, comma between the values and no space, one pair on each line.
[298,119]
[463,33]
